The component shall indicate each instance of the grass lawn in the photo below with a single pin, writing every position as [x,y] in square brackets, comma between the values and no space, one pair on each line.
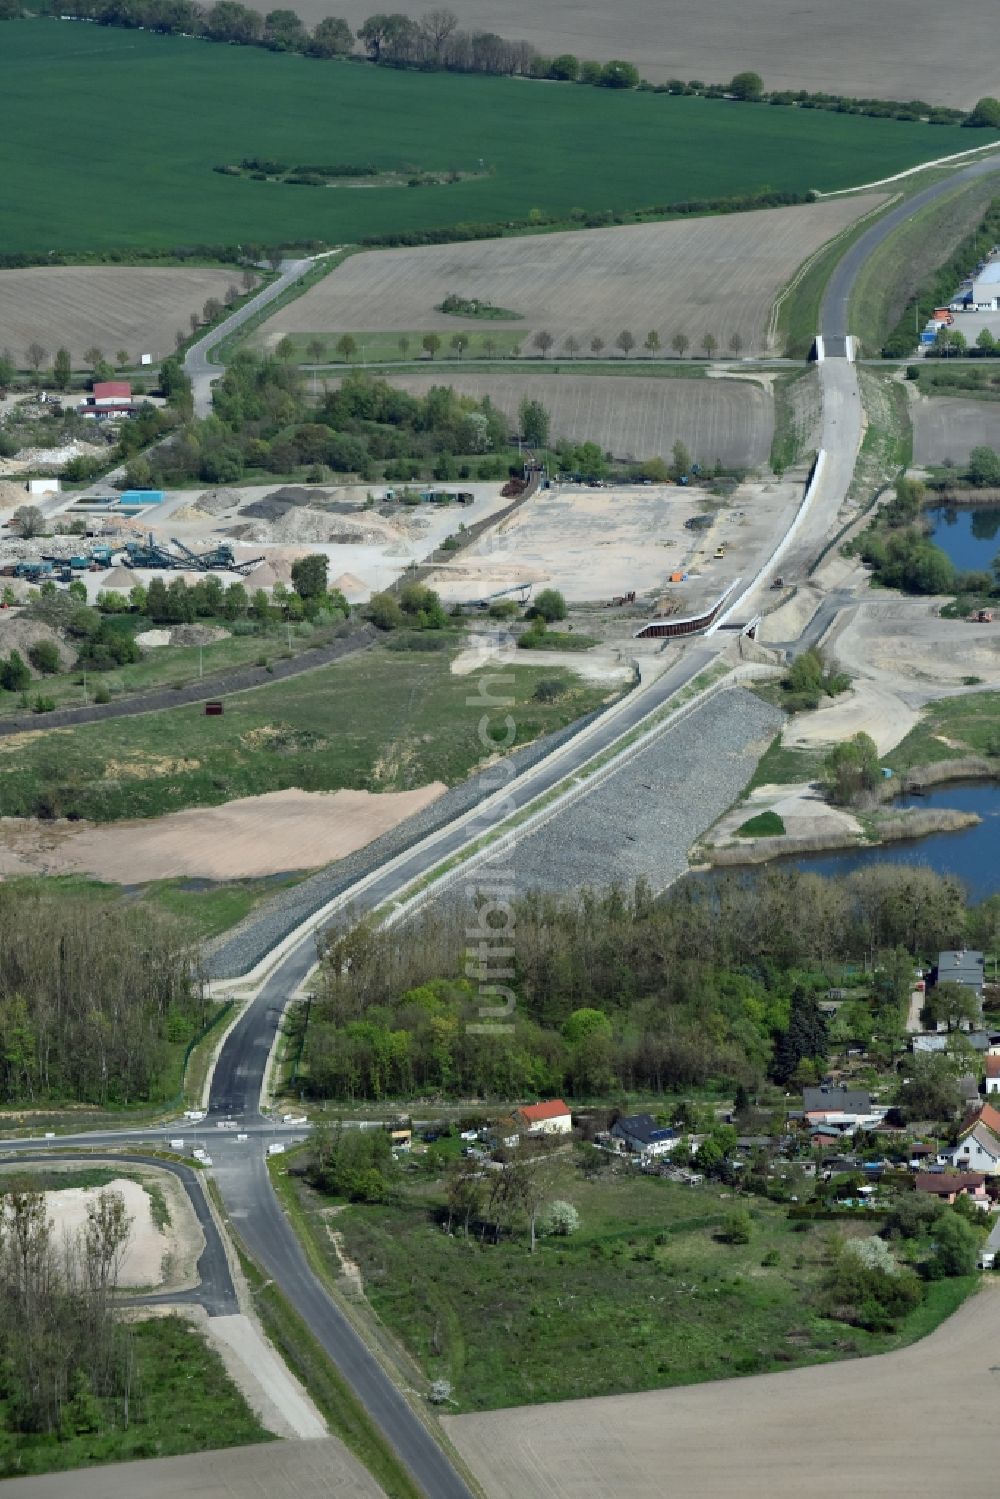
[764,825]
[183,1401]
[972,723]
[191,105]
[383,720]
[780,767]
[645,1295]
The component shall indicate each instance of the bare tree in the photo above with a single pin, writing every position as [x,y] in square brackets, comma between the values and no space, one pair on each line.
[679,343]
[180,337]
[438,26]
[625,342]
[459,342]
[93,356]
[490,346]
[709,343]
[404,345]
[36,356]
[572,346]
[596,344]
[543,341]
[195,322]
[249,279]
[736,344]
[232,294]
[211,310]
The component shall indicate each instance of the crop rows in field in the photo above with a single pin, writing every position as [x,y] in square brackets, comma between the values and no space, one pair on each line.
[715,276]
[106,307]
[632,417]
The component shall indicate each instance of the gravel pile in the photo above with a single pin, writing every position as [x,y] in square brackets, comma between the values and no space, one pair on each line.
[238,950]
[217,501]
[642,821]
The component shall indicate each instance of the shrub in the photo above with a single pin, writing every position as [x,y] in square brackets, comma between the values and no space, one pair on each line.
[560,1219]
[44,657]
[737,1227]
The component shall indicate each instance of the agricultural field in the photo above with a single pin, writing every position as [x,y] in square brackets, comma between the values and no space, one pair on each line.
[137,310]
[694,277]
[516,146]
[896,50]
[631,416]
[850,1427]
[947,429]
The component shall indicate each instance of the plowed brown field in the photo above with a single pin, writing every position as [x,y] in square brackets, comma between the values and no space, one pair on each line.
[632,417]
[895,49]
[137,309]
[691,276]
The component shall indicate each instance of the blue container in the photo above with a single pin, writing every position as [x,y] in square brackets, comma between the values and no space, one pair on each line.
[143,497]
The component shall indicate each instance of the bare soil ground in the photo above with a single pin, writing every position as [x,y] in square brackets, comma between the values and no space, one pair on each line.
[598,665]
[594,544]
[143,1260]
[137,309]
[945,427]
[277,1470]
[268,1387]
[696,276]
[632,417]
[245,839]
[899,49]
[859,1427]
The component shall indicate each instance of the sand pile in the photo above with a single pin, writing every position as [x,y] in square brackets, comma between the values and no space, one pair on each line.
[119,580]
[351,586]
[151,640]
[264,576]
[216,501]
[197,634]
[306,525]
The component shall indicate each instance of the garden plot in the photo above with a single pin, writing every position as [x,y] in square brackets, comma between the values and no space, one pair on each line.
[946,428]
[634,417]
[136,309]
[692,276]
[593,544]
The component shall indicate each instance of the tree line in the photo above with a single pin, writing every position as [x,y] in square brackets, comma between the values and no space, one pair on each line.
[94,994]
[896,547]
[67,1365]
[622,992]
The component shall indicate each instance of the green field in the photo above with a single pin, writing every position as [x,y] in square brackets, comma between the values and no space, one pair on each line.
[645,1295]
[110,137]
[383,720]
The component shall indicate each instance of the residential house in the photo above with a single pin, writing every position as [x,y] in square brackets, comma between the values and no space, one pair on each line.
[978,1149]
[108,398]
[992,1072]
[843,1108]
[550,1118]
[641,1134]
[948,1187]
[961,966]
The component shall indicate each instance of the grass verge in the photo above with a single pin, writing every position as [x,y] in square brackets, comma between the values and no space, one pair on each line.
[951,728]
[764,825]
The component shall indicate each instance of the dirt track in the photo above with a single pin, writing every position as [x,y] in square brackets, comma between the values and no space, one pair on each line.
[873,1429]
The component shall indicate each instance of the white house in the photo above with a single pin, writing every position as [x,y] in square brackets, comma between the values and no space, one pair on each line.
[992,1072]
[550,1118]
[641,1134]
[977,1150]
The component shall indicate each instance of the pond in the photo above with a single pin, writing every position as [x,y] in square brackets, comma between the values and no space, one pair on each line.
[973,854]
[970,535]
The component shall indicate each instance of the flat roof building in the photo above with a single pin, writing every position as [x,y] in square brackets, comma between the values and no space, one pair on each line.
[986,285]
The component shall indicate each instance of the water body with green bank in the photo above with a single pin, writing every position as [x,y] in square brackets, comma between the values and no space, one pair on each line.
[969,535]
[110,138]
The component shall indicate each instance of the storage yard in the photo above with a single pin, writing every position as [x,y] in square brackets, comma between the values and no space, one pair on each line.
[689,276]
[594,544]
[633,417]
[135,308]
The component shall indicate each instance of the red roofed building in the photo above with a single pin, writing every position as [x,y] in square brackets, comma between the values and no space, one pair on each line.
[948,1186]
[108,398]
[550,1118]
[993,1074]
[985,1114]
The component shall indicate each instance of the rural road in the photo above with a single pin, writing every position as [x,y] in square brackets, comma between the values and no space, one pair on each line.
[241,1170]
[834,312]
[197,365]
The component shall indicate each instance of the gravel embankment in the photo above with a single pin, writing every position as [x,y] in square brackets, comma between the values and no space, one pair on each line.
[238,950]
[642,820]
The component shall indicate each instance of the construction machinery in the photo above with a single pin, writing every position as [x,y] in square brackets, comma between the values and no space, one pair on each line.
[33,570]
[220,559]
[981,617]
[150,554]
